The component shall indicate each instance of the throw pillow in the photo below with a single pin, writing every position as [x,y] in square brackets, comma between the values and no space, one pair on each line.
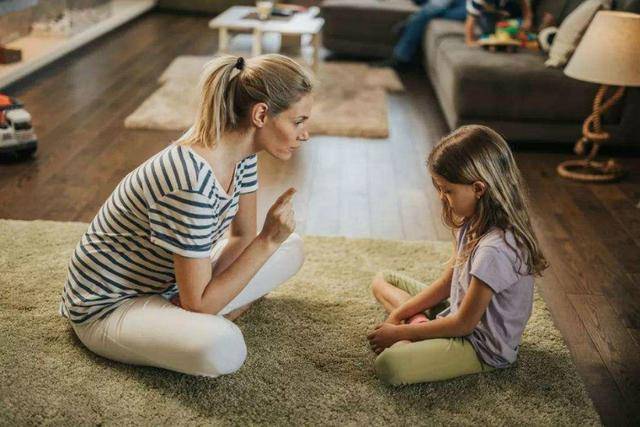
[571,31]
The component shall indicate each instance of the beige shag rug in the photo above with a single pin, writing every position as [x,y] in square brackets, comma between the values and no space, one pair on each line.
[308,361]
[350,100]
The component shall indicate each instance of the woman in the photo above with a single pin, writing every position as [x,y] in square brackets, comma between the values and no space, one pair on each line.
[152,278]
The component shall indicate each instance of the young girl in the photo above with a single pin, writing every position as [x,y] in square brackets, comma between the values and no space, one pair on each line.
[159,236]
[489,281]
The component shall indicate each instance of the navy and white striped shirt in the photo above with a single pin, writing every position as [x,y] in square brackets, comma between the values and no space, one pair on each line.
[479,7]
[171,204]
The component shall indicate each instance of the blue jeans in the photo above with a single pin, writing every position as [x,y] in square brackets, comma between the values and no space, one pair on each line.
[410,41]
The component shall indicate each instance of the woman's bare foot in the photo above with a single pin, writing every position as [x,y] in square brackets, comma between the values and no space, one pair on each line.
[241,310]
[233,315]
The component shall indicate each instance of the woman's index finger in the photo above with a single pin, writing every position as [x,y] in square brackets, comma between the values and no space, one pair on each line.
[286,196]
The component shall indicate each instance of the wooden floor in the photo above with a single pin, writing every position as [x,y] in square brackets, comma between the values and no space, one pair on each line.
[349,187]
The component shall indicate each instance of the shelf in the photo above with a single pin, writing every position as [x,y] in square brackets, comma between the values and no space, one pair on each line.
[40,51]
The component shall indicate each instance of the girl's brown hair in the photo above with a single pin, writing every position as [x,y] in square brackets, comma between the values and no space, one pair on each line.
[231,85]
[477,153]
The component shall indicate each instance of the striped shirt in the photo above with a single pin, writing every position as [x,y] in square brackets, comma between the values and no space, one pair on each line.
[171,204]
[479,7]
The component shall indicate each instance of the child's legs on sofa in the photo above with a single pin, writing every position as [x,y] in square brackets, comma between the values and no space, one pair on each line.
[411,38]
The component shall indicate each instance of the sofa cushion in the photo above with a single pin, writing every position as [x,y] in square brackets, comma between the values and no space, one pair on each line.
[438,30]
[554,7]
[503,86]
[363,22]
[571,31]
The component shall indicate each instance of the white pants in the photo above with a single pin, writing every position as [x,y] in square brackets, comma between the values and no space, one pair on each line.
[150,331]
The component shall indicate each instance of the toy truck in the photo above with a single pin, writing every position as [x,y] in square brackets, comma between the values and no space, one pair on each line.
[16,131]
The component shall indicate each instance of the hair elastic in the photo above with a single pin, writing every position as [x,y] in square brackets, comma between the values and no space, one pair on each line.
[240,63]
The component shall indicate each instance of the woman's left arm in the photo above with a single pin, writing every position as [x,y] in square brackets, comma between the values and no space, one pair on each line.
[243,230]
[462,323]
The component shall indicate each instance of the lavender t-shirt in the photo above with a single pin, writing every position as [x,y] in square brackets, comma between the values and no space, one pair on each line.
[497,337]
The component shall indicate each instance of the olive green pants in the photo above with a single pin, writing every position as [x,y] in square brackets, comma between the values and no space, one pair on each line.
[429,360]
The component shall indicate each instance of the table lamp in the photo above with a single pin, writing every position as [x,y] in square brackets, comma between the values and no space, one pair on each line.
[608,54]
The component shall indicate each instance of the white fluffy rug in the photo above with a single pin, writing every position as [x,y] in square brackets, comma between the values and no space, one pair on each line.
[350,99]
[309,362]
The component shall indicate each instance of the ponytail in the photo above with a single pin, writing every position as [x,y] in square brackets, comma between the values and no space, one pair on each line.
[231,85]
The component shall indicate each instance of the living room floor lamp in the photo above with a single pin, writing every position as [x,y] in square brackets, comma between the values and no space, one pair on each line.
[608,54]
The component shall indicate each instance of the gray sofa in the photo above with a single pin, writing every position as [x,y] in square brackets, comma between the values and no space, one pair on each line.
[513,93]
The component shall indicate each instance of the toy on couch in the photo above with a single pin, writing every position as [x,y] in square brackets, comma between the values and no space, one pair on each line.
[508,37]
[16,132]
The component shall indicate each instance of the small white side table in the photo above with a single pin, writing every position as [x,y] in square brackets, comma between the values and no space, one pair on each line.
[235,19]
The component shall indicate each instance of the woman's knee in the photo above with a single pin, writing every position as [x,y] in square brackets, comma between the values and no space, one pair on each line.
[295,252]
[223,350]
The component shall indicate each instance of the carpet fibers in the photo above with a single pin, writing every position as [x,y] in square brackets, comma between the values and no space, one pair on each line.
[308,360]
[350,100]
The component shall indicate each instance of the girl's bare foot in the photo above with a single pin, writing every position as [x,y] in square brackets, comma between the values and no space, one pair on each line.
[417,318]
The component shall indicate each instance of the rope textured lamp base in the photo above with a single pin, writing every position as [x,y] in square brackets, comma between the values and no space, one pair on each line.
[588,169]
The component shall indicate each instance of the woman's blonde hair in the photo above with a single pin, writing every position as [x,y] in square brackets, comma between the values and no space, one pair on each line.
[231,85]
[477,153]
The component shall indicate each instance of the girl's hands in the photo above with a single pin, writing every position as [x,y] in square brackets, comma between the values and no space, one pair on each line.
[280,221]
[384,336]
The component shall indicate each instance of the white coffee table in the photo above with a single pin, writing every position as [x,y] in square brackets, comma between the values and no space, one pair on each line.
[233,19]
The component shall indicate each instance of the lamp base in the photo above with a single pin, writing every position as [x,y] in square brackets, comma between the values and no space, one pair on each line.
[590,171]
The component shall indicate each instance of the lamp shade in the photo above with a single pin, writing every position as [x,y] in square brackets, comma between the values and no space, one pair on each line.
[609,52]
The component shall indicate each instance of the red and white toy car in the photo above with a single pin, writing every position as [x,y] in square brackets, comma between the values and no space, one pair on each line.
[16,132]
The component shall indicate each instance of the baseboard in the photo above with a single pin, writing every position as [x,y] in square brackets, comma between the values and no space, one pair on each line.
[40,51]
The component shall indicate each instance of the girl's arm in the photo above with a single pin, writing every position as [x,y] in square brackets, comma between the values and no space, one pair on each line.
[243,231]
[201,291]
[427,298]
[462,323]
